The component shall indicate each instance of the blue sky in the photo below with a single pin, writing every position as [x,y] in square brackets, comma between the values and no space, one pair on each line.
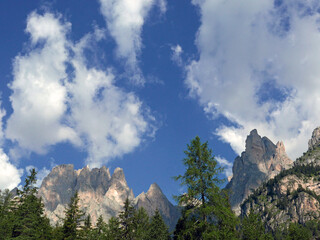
[130,83]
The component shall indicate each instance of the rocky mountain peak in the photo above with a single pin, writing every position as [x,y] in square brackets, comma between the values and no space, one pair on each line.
[154,190]
[155,199]
[118,177]
[99,193]
[315,139]
[261,160]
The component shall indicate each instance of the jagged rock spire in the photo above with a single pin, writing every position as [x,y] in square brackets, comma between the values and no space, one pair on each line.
[261,160]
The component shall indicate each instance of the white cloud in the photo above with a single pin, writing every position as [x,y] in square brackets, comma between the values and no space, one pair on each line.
[226,165]
[9,174]
[176,54]
[125,19]
[51,104]
[258,66]
[109,119]
[39,94]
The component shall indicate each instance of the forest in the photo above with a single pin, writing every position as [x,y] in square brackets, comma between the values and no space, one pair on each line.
[205,212]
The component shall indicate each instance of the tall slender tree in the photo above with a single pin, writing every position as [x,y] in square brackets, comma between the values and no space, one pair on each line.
[126,219]
[73,219]
[207,209]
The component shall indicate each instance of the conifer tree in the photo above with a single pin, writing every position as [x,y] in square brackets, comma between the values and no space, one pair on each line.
[158,229]
[114,229]
[100,230]
[86,231]
[207,213]
[126,219]
[73,218]
[141,224]
[6,214]
[29,219]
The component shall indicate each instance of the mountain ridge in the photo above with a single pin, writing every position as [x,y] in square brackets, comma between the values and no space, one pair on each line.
[100,193]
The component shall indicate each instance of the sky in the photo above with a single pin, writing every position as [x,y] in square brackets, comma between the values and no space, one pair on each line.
[129,84]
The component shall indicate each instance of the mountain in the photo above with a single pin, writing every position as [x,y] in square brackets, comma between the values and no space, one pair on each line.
[260,161]
[293,195]
[99,193]
[154,199]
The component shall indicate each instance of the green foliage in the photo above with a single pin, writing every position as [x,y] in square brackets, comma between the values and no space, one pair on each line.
[73,218]
[252,228]
[114,229]
[298,232]
[6,214]
[207,213]
[126,219]
[158,229]
[28,219]
[141,224]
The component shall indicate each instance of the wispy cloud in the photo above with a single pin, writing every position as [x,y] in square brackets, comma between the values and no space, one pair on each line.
[258,66]
[226,165]
[125,19]
[176,54]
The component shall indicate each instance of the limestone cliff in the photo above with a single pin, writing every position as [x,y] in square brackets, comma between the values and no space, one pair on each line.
[99,193]
[291,196]
[155,199]
[260,161]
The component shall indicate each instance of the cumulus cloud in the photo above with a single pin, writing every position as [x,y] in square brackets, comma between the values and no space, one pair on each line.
[9,174]
[258,66]
[39,94]
[125,19]
[57,97]
[109,119]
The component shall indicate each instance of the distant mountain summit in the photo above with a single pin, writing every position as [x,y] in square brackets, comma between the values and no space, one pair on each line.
[260,161]
[99,193]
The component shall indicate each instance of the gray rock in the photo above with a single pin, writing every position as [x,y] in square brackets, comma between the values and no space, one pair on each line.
[99,193]
[154,199]
[260,161]
[315,139]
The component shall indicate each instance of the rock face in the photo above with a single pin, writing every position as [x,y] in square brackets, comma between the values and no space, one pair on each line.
[155,199]
[99,193]
[260,161]
[291,196]
[315,139]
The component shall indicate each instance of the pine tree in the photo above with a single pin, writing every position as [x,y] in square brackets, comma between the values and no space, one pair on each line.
[29,219]
[114,229]
[86,231]
[141,224]
[6,214]
[73,218]
[158,229]
[100,231]
[126,219]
